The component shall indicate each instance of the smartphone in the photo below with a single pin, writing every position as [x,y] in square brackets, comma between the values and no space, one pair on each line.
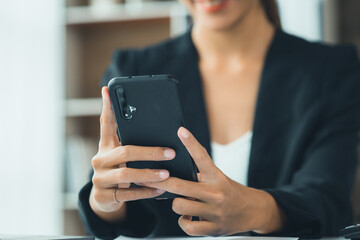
[148,112]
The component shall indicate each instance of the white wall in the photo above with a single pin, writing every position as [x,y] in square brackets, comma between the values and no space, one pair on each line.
[302,18]
[31,128]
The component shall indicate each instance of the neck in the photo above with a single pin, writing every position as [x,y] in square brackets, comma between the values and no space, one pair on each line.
[248,39]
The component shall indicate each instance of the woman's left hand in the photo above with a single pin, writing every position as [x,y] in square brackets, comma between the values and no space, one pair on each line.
[223,205]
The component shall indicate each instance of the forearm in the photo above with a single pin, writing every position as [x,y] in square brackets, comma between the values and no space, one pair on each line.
[111,217]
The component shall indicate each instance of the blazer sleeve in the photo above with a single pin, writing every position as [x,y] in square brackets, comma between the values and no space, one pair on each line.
[140,220]
[317,201]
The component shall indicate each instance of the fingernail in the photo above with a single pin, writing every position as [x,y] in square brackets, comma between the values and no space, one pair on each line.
[160,191]
[169,153]
[163,174]
[184,133]
[102,94]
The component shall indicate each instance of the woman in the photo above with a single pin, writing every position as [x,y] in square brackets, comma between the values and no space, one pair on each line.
[272,127]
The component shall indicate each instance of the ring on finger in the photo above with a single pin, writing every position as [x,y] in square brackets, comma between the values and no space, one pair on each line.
[114,195]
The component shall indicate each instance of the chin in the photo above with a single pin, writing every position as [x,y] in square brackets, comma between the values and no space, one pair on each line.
[219,24]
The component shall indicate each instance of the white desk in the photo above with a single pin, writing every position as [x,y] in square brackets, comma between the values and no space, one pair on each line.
[229,238]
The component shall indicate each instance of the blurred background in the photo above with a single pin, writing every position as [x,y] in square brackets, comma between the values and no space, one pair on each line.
[52,56]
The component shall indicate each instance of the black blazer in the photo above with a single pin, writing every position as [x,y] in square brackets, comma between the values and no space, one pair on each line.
[304,134]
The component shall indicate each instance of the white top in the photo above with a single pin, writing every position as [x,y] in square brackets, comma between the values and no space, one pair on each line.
[233,158]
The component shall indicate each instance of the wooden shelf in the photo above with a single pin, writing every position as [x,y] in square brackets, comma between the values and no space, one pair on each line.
[92,35]
[123,12]
[83,107]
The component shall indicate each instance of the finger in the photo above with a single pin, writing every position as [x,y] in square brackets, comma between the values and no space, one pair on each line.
[132,153]
[128,175]
[182,187]
[136,193]
[197,151]
[123,195]
[108,136]
[183,206]
[198,228]
[122,185]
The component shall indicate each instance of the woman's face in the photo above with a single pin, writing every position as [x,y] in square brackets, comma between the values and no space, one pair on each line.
[219,14]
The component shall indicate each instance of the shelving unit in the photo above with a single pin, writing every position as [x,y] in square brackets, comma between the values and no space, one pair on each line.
[83,107]
[92,34]
[124,12]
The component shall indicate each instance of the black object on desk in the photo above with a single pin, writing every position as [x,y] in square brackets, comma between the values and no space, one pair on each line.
[352,232]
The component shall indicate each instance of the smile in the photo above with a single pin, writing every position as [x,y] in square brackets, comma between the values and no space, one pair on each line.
[212,5]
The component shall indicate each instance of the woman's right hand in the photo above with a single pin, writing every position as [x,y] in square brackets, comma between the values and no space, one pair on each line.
[110,169]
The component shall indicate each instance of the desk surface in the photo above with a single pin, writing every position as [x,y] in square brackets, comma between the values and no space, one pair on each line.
[34,237]
[12,237]
[230,238]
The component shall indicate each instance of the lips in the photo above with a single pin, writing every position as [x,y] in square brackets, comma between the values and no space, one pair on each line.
[212,5]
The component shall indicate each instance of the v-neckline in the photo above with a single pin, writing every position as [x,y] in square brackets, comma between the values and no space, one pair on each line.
[268,55]
[238,141]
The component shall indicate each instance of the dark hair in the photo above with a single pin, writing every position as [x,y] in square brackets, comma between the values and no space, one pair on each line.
[272,12]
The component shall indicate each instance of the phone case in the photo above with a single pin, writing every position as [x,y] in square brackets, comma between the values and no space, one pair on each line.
[148,112]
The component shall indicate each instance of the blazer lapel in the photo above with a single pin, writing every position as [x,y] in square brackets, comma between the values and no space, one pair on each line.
[272,116]
[188,74]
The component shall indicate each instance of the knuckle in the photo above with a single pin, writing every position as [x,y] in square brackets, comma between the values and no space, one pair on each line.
[150,175]
[217,196]
[122,174]
[98,196]
[96,161]
[201,154]
[220,197]
[218,214]
[189,229]
[176,205]
[124,152]
[154,154]
[96,180]
[177,185]
[197,155]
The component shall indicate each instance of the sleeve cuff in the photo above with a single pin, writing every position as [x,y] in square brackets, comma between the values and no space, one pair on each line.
[299,223]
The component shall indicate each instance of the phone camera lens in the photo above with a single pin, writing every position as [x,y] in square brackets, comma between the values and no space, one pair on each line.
[125,109]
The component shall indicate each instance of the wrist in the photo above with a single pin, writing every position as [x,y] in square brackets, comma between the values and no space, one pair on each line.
[267,214]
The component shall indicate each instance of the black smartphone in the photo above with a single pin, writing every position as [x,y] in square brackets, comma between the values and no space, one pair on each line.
[148,112]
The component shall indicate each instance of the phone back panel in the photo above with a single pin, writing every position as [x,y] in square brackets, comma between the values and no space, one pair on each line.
[155,122]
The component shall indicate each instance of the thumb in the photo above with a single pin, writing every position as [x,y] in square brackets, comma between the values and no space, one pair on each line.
[108,136]
[198,153]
